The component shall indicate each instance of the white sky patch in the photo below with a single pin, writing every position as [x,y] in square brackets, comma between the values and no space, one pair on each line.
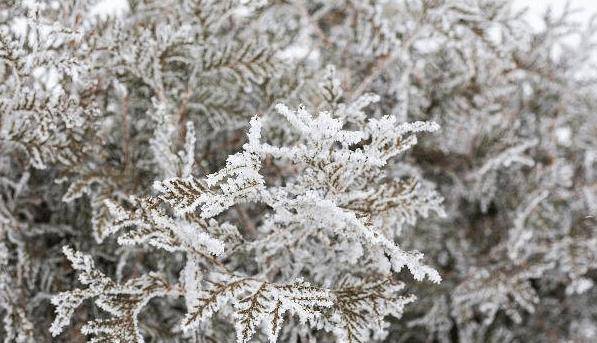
[109,8]
[297,52]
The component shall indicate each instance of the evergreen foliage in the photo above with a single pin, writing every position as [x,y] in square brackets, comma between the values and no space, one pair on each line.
[296,171]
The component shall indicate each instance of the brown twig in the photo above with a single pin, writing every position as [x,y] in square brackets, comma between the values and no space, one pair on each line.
[125,135]
[248,224]
[313,24]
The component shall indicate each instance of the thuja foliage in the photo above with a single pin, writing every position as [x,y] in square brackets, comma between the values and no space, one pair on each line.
[296,171]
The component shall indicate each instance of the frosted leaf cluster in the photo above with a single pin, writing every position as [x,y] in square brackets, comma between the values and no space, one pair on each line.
[296,171]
